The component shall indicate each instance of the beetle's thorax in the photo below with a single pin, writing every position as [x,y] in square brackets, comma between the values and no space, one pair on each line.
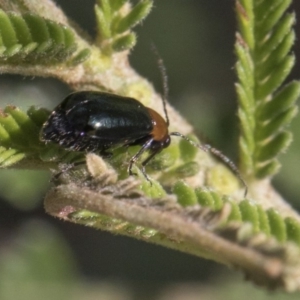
[160,130]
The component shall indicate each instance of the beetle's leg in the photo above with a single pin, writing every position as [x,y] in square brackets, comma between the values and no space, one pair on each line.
[135,157]
[146,161]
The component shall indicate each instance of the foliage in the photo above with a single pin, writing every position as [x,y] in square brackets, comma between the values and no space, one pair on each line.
[29,38]
[114,24]
[264,61]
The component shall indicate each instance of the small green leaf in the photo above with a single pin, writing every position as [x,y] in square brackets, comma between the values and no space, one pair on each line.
[245,18]
[124,42]
[115,23]
[274,146]
[56,33]
[245,64]
[37,27]
[245,97]
[188,151]
[244,78]
[136,15]
[9,157]
[69,39]
[285,98]
[80,57]
[7,31]
[264,224]
[103,23]
[19,134]
[185,194]
[12,159]
[29,48]
[276,124]
[21,29]
[250,214]
[263,8]
[166,158]
[85,216]
[235,214]
[218,201]
[276,56]
[38,115]
[267,169]
[12,50]
[204,197]
[293,230]
[245,156]
[271,18]
[247,129]
[279,32]
[151,188]
[276,78]
[25,124]
[13,129]
[44,47]
[106,8]
[277,225]
[4,136]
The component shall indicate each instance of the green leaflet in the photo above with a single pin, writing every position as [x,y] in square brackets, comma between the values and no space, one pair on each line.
[19,134]
[18,130]
[9,156]
[31,39]
[264,61]
[269,222]
[19,139]
[115,20]
[124,42]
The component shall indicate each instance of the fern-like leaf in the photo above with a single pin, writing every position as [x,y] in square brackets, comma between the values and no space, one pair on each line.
[19,139]
[264,61]
[115,21]
[32,39]
[19,135]
[269,221]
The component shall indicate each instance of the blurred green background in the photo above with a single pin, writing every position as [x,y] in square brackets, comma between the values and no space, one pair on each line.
[43,258]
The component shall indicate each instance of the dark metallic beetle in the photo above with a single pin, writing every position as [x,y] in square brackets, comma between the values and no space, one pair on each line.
[97,121]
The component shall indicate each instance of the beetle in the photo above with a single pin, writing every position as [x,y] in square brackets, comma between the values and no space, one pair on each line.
[95,121]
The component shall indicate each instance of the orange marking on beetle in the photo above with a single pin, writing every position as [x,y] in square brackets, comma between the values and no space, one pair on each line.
[160,128]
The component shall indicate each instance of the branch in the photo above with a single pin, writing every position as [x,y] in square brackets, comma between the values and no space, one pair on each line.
[121,208]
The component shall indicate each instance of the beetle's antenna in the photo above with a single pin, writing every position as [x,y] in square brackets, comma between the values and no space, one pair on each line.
[164,79]
[219,154]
